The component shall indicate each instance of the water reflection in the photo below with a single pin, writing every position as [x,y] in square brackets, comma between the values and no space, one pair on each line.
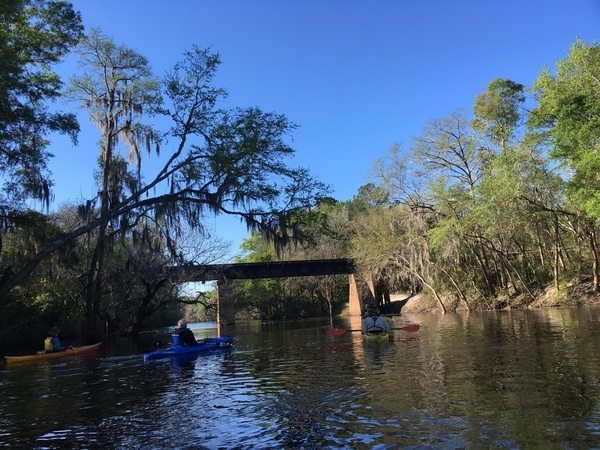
[514,379]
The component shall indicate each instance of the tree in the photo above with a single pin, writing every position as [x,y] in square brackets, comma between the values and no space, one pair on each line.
[447,148]
[519,209]
[458,196]
[48,296]
[118,87]
[221,162]
[137,288]
[392,244]
[326,233]
[258,298]
[497,110]
[34,36]
[294,297]
[449,155]
[567,119]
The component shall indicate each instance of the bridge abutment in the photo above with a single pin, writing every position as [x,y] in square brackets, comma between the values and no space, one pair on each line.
[355,308]
[225,304]
[362,292]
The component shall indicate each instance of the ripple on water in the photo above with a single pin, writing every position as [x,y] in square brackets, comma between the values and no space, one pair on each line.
[461,382]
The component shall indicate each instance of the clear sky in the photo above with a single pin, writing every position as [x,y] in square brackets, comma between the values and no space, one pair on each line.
[356,76]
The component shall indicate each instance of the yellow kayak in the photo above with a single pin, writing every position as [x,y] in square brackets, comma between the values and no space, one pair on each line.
[42,356]
[377,338]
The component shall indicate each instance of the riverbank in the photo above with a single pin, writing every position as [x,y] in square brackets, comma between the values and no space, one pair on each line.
[580,294]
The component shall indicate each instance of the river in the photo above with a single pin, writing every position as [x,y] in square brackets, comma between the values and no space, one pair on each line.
[507,380]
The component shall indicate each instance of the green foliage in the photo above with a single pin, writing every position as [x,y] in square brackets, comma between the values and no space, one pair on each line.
[486,223]
[368,198]
[259,299]
[48,297]
[34,36]
[568,119]
[497,113]
[293,298]
[256,249]
[204,310]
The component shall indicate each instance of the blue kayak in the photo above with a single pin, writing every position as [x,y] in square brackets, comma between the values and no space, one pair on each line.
[180,350]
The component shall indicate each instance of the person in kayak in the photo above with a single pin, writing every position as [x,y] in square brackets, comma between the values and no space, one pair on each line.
[52,343]
[374,323]
[186,336]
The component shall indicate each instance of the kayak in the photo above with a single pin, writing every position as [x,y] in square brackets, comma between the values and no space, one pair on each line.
[180,350]
[43,356]
[377,338]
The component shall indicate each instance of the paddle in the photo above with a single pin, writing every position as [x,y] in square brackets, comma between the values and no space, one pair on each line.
[409,328]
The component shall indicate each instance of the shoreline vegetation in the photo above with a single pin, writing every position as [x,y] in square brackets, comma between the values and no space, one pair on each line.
[580,294]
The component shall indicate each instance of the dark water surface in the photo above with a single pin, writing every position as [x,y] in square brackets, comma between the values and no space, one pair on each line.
[511,380]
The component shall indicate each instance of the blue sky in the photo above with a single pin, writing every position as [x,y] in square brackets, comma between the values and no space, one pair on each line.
[356,76]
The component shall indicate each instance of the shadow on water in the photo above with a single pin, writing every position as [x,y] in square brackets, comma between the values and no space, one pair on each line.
[513,379]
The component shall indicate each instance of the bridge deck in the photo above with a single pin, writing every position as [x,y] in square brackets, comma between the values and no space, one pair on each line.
[278,269]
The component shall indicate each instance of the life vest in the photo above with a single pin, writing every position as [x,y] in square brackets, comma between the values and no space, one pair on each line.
[48,345]
[375,326]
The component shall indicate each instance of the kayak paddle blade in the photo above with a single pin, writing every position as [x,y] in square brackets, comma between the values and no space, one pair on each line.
[337,331]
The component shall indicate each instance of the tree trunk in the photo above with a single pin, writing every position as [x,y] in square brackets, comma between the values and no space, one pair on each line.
[529,264]
[556,252]
[486,275]
[459,291]
[594,249]
[96,273]
[94,291]
[434,292]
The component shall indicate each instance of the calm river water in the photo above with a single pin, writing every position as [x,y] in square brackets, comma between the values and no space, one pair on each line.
[510,380]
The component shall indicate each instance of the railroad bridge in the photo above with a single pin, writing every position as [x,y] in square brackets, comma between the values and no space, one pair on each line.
[224,274]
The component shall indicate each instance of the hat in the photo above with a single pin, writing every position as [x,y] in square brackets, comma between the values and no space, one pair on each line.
[372,311]
[53,331]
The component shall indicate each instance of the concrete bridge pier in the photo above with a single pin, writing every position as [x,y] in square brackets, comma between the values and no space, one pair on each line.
[225,304]
[355,308]
[361,293]
[357,294]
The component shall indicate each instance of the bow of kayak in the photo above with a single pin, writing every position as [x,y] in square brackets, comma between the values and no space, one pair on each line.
[179,350]
[43,356]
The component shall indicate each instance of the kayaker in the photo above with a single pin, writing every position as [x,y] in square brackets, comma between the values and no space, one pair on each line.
[52,343]
[374,323]
[186,336]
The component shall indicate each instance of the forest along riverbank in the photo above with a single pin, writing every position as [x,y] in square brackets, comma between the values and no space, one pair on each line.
[581,294]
